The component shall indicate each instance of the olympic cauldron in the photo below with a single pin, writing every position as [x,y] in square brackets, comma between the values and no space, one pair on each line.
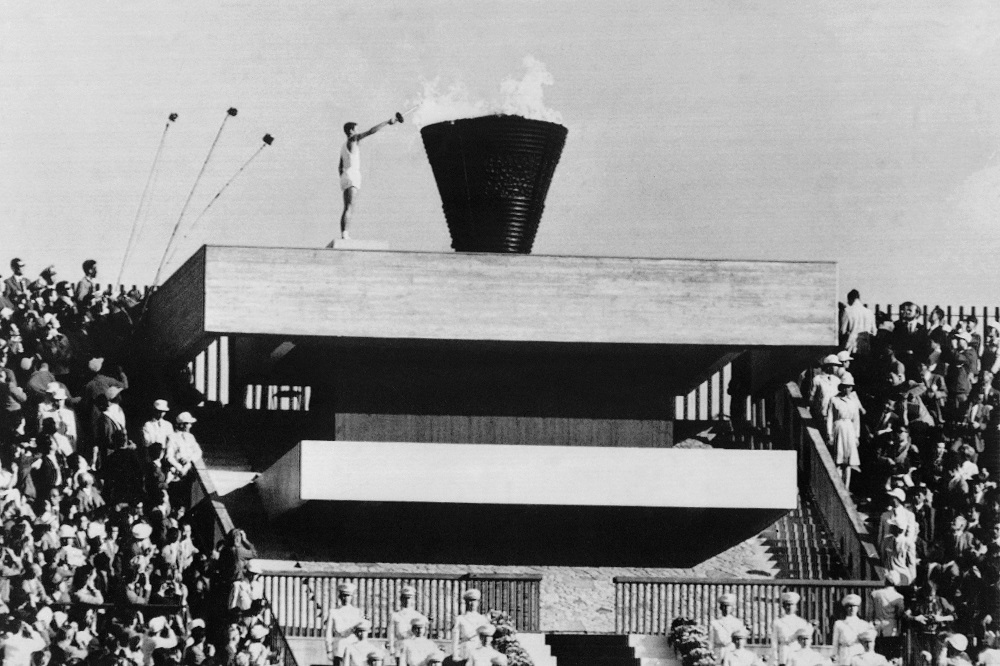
[493,173]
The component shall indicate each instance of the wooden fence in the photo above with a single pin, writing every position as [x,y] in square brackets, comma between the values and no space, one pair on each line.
[650,605]
[299,601]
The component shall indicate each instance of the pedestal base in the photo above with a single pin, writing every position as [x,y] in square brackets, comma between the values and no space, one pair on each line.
[354,244]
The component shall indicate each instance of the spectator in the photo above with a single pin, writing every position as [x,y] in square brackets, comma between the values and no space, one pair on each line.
[16,286]
[86,287]
[857,325]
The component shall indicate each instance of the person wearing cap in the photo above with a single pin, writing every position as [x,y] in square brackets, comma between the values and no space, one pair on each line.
[54,347]
[401,621]
[358,651]
[417,648]
[159,634]
[54,407]
[720,630]
[953,652]
[784,628]
[845,413]
[804,655]
[16,286]
[846,631]
[868,656]
[182,450]
[739,655]
[845,359]
[465,636]
[20,642]
[158,428]
[69,557]
[259,653]
[886,609]
[897,511]
[824,387]
[484,654]
[340,623]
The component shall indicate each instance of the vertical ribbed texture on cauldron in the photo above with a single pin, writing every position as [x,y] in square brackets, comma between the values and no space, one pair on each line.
[493,174]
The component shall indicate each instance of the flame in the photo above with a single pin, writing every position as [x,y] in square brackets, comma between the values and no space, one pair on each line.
[517,97]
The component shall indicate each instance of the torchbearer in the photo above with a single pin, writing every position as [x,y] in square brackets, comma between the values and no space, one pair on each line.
[401,622]
[465,636]
[784,628]
[739,655]
[350,167]
[721,629]
[340,623]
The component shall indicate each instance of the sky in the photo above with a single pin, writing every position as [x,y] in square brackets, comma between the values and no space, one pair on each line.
[862,132]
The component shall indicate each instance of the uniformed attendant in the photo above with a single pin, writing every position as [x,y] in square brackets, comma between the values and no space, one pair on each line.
[846,645]
[738,654]
[484,654]
[720,631]
[805,655]
[417,649]
[784,628]
[868,656]
[401,621]
[465,637]
[362,651]
[954,654]
[340,624]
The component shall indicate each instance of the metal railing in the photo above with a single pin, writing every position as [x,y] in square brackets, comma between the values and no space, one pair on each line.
[300,601]
[649,605]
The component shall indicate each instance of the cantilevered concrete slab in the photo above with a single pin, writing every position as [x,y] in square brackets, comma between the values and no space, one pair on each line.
[527,503]
[291,293]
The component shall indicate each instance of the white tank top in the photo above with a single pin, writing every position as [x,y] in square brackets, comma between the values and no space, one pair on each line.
[350,156]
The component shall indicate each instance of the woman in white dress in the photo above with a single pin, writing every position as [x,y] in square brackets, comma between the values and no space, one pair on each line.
[845,411]
[846,644]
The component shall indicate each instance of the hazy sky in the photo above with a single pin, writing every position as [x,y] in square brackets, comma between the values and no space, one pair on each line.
[865,132]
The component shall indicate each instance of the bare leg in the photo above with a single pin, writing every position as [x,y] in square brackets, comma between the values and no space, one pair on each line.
[847,477]
[350,194]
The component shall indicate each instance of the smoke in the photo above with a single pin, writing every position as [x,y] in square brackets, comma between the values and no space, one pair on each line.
[517,97]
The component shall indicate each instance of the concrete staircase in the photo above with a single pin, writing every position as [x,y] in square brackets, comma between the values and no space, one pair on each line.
[536,646]
[652,650]
[801,547]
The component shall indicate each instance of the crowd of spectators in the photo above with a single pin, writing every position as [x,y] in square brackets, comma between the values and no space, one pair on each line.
[98,560]
[911,412]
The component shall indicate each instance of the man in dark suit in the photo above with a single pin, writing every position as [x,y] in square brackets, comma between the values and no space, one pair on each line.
[16,286]
[909,339]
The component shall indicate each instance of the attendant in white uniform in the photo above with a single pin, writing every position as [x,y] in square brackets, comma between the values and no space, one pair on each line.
[805,655]
[340,624]
[484,654]
[738,654]
[158,428]
[868,656]
[886,611]
[401,622]
[183,450]
[720,631]
[784,628]
[846,645]
[362,652]
[417,649]
[465,636]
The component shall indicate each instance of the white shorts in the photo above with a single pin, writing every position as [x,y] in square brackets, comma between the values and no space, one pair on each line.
[347,180]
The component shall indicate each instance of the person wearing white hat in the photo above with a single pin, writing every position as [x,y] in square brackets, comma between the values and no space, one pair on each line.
[846,631]
[720,630]
[784,628]
[824,387]
[417,649]
[739,655]
[182,450]
[465,635]
[989,655]
[887,606]
[340,623]
[159,634]
[868,656]
[805,655]
[401,621]
[845,413]
[484,654]
[357,653]
[897,511]
[953,653]
[158,428]
[259,653]
[54,407]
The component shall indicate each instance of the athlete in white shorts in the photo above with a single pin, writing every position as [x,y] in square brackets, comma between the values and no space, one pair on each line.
[350,169]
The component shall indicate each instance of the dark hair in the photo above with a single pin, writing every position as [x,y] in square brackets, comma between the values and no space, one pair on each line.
[972,319]
[87,265]
[349,126]
[16,261]
[938,311]
[852,296]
